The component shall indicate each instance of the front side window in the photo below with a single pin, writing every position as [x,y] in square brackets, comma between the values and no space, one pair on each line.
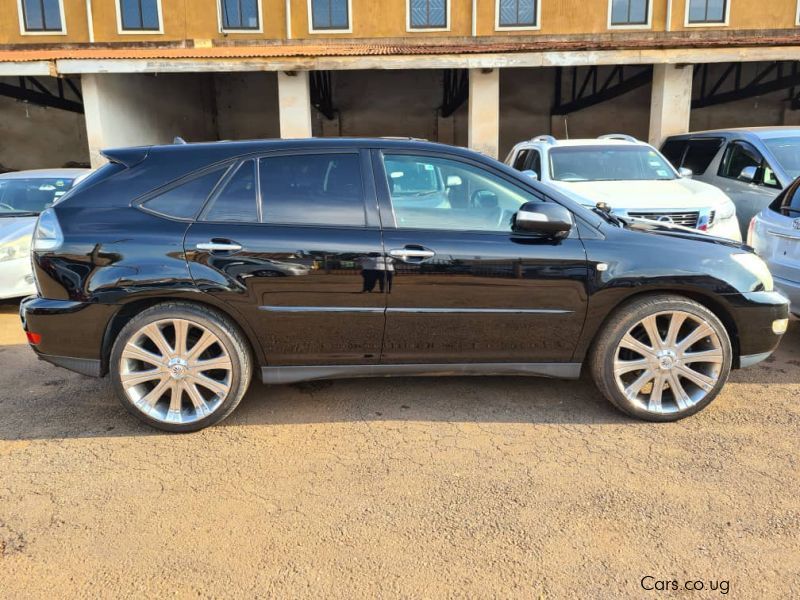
[707,11]
[187,199]
[139,15]
[741,159]
[517,13]
[608,163]
[630,12]
[312,189]
[240,15]
[237,201]
[330,14]
[40,16]
[30,196]
[444,194]
[427,14]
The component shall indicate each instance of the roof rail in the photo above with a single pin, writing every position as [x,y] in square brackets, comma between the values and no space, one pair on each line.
[619,136]
[547,139]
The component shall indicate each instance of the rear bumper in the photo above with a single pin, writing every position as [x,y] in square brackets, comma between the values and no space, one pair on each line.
[71,332]
[755,313]
[792,291]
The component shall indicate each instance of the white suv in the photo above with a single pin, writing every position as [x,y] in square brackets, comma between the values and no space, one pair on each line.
[631,177]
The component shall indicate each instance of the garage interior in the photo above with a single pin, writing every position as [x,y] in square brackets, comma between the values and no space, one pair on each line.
[48,122]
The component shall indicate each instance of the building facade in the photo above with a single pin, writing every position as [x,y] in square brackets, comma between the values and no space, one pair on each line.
[87,74]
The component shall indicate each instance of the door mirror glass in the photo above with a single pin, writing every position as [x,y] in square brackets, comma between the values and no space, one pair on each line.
[748,174]
[685,173]
[543,218]
[531,174]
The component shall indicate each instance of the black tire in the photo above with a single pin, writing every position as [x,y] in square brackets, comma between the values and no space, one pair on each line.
[604,352]
[222,327]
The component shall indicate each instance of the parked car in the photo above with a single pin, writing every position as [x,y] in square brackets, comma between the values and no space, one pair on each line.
[629,176]
[23,195]
[750,165]
[775,235]
[507,276]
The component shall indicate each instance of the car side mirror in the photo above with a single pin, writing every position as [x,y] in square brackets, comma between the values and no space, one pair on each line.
[531,174]
[748,174]
[685,173]
[454,181]
[543,218]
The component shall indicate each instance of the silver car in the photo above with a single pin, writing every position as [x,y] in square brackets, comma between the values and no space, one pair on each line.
[23,195]
[751,165]
[775,235]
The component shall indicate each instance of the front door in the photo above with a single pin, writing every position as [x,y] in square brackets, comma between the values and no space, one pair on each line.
[463,288]
[284,241]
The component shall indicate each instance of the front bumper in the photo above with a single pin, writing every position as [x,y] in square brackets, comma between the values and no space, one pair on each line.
[16,278]
[71,333]
[754,314]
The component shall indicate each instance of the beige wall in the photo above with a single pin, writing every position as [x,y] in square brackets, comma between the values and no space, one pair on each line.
[199,20]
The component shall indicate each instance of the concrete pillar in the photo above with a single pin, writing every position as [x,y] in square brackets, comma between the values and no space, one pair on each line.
[143,110]
[294,102]
[671,102]
[484,111]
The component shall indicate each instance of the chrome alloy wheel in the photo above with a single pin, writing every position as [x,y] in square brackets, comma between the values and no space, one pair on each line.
[668,362]
[175,371]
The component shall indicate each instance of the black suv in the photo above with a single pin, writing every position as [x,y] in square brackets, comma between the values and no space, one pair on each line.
[183,270]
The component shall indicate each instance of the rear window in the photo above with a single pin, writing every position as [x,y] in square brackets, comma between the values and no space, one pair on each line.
[700,154]
[788,203]
[673,150]
[186,200]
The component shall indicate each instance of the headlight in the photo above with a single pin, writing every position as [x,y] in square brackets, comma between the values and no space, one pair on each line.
[757,267]
[726,211]
[18,248]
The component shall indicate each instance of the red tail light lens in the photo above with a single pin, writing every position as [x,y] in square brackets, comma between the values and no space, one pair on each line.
[34,338]
[750,231]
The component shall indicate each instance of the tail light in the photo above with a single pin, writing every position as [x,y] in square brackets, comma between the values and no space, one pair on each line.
[751,232]
[48,235]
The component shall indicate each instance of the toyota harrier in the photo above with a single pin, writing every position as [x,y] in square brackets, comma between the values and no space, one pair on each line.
[183,271]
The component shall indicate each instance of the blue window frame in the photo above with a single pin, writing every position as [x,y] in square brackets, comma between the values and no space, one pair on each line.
[240,14]
[42,15]
[330,14]
[518,13]
[139,15]
[428,14]
[707,11]
[630,12]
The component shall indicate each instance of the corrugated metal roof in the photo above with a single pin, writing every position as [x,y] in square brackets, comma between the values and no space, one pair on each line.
[372,48]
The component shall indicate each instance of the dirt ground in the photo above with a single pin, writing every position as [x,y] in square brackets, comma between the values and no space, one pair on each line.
[504,487]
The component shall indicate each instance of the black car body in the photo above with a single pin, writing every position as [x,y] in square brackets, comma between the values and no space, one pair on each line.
[221,225]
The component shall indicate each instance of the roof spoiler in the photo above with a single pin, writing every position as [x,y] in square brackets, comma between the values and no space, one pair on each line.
[129,157]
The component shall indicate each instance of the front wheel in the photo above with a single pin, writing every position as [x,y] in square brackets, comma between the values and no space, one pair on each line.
[662,358]
[180,367]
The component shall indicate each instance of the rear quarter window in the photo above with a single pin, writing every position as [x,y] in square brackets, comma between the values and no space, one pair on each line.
[186,200]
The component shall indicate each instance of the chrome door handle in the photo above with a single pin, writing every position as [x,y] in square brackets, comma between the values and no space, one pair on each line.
[219,246]
[408,254]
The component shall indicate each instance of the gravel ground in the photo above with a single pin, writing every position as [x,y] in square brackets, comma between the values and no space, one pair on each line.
[504,487]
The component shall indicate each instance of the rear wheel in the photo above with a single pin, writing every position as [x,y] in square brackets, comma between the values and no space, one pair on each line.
[180,367]
[662,358]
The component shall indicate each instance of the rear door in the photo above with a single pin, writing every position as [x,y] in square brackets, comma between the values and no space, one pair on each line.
[284,241]
[464,289]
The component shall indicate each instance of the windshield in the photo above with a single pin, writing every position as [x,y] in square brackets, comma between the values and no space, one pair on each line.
[608,163]
[787,152]
[411,177]
[30,196]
